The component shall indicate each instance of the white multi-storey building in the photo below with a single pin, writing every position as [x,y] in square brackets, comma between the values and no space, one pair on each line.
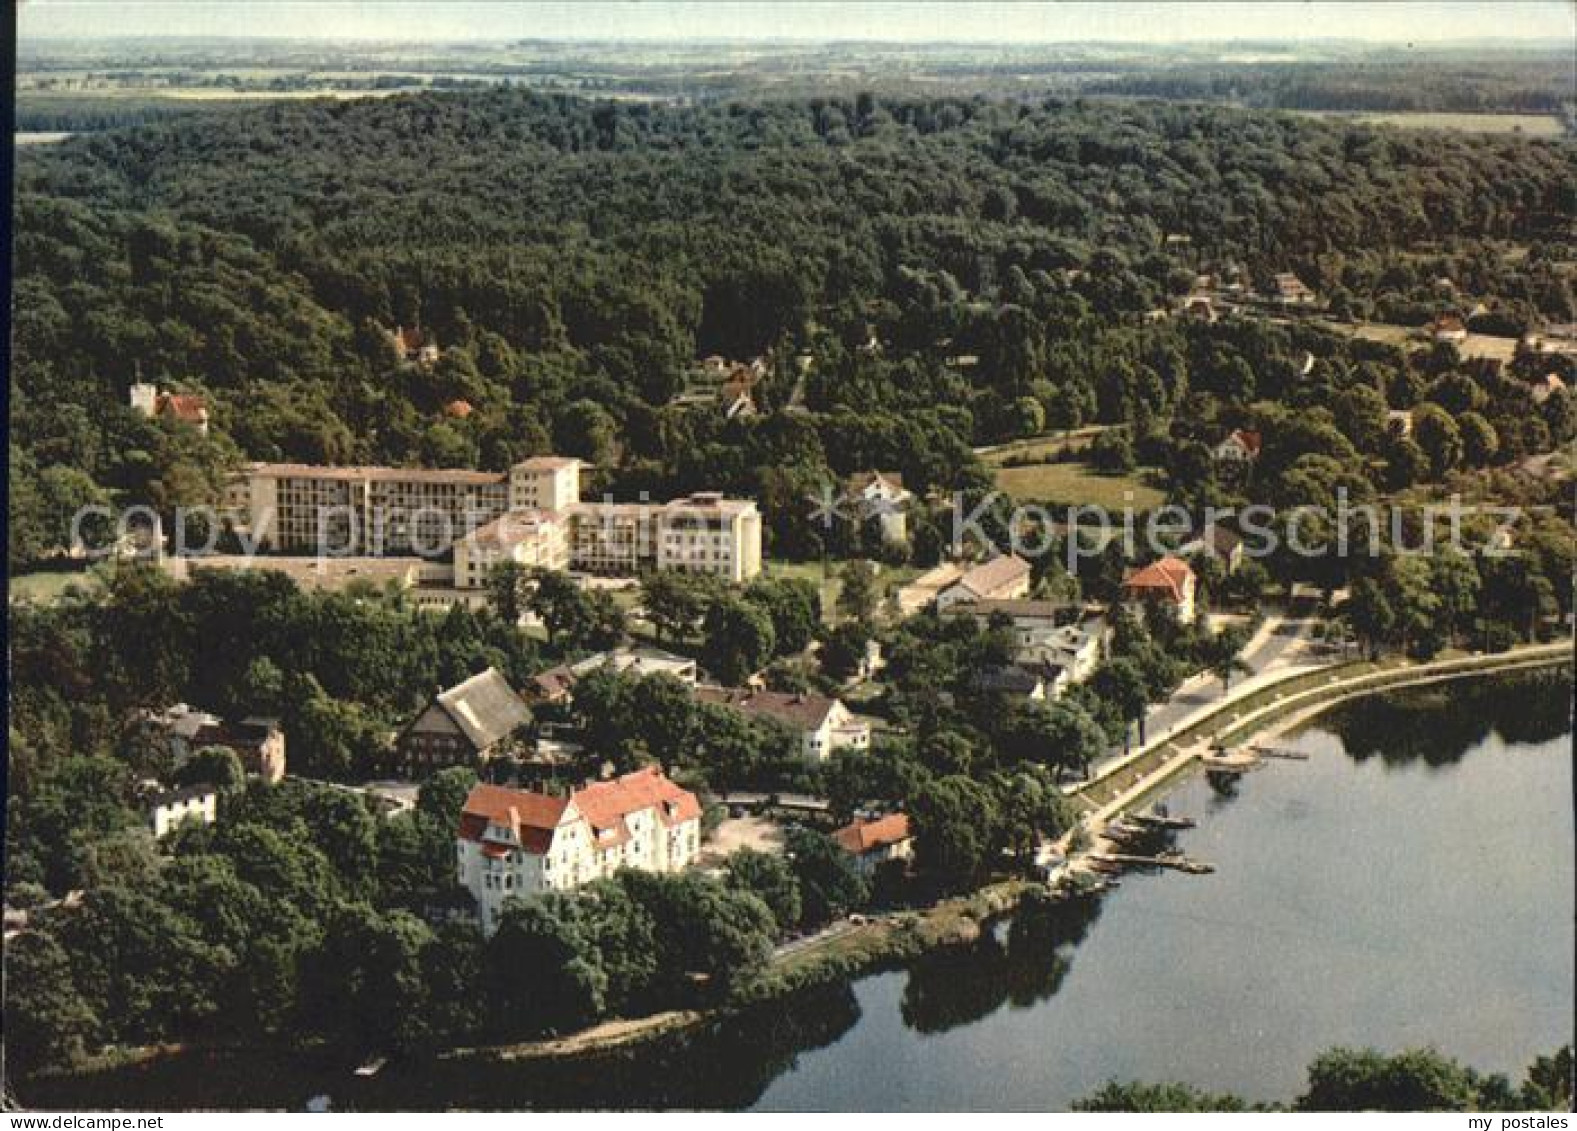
[532,515]
[532,538]
[517,843]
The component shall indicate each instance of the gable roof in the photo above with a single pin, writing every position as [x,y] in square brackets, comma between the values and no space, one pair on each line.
[890,480]
[802,711]
[531,816]
[185,407]
[988,577]
[484,707]
[861,837]
[1250,441]
[605,804]
[1165,578]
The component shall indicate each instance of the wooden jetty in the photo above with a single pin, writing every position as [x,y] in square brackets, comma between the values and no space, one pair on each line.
[1281,752]
[1174,860]
[1151,821]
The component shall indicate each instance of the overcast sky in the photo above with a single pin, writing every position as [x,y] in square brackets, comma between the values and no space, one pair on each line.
[811,20]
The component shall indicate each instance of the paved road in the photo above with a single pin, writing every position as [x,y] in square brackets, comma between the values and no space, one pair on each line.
[1278,646]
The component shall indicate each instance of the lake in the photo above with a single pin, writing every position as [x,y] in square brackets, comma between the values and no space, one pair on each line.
[1411,883]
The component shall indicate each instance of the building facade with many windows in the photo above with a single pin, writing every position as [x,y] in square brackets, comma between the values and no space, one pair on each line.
[516,843]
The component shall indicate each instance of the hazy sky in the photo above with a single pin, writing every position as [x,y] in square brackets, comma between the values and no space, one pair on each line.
[812,20]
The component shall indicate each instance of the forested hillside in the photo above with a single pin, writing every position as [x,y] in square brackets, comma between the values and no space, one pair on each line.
[573,258]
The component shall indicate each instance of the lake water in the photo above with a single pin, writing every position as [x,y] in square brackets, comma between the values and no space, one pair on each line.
[1411,883]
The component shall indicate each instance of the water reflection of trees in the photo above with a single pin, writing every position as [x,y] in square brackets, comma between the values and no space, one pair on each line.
[955,987]
[1438,725]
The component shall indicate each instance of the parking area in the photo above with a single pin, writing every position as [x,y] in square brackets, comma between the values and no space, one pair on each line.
[760,833]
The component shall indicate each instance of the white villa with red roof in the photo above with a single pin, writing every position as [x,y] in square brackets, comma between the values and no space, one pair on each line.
[517,843]
[1169,581]
[1240,446]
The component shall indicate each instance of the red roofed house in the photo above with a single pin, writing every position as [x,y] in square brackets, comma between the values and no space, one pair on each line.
[1169,581]
[413,346]
[183,408]
[1239,447]
[873,843]
[516,843]
[1448,328]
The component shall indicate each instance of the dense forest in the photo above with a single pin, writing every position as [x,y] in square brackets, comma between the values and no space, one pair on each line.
[573,259]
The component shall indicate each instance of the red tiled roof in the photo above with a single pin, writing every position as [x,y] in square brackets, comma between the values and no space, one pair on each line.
[183,406]
[533,816]
[866,836]
[602,805]
[1165,577]
[409,341]
[1449,324]
[606,804]
[1250,440]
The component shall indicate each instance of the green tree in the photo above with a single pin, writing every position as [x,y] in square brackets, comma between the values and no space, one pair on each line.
[739,640]
[829,885]
[1343,1079]
[954,821]
[49,1024]
[771,880]
[857,594]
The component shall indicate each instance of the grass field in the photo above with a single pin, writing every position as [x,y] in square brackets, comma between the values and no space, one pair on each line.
[1074,483]
[1530,125]
[1039,447]
[1408,337]
[46,586]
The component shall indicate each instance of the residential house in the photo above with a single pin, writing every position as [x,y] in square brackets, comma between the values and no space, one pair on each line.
[1003,578]
[1240,446]
[414,347]
[873,843]
[1033,622]
[463,726]
[199,803]
[182,408]
[1169,582]
[822,724]
[518,843]
[880,497]
[258,742]
[922,592]
[1289,290]
[1076,648]
[557,684]
[1448,328]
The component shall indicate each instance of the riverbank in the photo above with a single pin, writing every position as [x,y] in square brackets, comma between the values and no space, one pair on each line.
[890,940]
[1275,710]
[879,941]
